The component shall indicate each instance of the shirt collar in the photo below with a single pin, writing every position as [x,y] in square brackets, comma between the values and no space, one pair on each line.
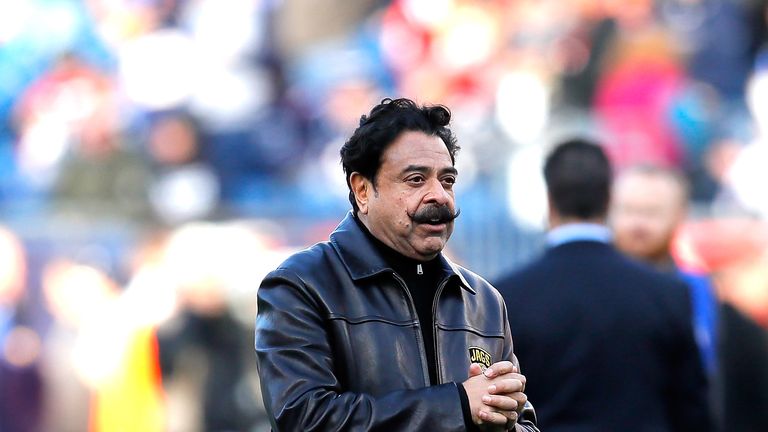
[362,260]
[578,232]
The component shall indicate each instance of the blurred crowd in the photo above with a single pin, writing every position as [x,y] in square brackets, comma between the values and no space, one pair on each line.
[158,157]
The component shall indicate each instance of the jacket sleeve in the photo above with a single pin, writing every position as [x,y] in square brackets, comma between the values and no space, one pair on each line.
[299,387]
[527,419]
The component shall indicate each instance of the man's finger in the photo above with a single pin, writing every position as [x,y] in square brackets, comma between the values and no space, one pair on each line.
[511,420]
[511,375]
[496,417]
[506,386]
[520,397]
[503,403]
[500,368]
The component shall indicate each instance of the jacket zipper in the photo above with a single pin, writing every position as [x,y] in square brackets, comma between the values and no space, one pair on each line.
[422,352]
[435,302]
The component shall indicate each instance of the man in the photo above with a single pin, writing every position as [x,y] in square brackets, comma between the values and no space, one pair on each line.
[376,329]
[607,344]
[649,204]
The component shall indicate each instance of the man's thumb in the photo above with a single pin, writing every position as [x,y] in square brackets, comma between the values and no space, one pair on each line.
[475,370]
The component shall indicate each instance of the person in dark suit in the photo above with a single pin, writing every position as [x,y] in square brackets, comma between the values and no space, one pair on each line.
[607,343]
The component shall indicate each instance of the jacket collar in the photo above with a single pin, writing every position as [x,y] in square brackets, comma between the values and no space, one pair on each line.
[363,261]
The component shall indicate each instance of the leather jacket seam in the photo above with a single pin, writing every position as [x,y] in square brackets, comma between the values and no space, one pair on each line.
[476,331]
[366,319]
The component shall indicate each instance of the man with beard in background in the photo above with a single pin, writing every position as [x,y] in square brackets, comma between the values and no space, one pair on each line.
[649,204]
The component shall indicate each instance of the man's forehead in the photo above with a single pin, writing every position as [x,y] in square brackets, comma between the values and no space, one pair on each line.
[417,149]
[634,183]
[642,191]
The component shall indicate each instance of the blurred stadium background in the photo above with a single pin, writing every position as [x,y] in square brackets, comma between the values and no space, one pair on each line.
[158,157]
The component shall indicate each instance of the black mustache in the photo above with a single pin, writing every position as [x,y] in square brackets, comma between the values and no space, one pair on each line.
[435,215]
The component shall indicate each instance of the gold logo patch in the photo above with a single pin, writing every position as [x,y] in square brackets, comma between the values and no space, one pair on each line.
[480,356]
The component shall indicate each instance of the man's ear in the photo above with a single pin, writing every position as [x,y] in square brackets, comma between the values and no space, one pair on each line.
[362,189]
[553,217]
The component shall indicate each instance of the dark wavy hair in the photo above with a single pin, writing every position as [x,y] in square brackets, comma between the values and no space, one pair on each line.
[382,126]
[578,176]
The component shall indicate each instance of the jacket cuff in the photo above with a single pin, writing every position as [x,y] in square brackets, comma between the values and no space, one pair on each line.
[466,412]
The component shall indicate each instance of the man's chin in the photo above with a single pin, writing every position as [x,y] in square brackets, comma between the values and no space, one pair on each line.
[431,247]
[643,253]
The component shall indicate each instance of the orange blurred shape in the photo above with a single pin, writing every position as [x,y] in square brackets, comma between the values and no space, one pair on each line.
[714,244]
[735,253]
[132,400]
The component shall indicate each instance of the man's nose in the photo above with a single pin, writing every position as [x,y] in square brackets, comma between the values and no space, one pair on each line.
[436,193]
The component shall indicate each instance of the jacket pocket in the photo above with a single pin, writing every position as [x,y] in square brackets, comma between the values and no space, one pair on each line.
[376,355]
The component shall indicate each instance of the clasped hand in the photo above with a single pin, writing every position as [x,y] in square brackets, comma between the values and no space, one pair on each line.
[495,395]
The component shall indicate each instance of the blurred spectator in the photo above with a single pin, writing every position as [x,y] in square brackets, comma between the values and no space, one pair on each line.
[648,205]
[642,76]
[622,336]
[74,295]
[183,186]
[300,24]
[21,387]
[101,360]
[53,112]
[205,349]
[581,53]
[648,209]
[102,176]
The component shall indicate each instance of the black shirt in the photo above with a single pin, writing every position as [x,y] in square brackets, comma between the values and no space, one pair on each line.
[421,280]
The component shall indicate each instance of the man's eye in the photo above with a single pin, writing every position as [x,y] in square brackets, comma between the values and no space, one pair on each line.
[449,180]
[416,179]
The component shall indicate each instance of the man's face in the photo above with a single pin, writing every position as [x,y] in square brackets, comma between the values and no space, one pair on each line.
[414,181]
[645,211]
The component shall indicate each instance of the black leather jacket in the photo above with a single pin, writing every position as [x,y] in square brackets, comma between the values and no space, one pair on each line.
[339,347]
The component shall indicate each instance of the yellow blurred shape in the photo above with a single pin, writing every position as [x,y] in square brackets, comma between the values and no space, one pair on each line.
[132,399]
